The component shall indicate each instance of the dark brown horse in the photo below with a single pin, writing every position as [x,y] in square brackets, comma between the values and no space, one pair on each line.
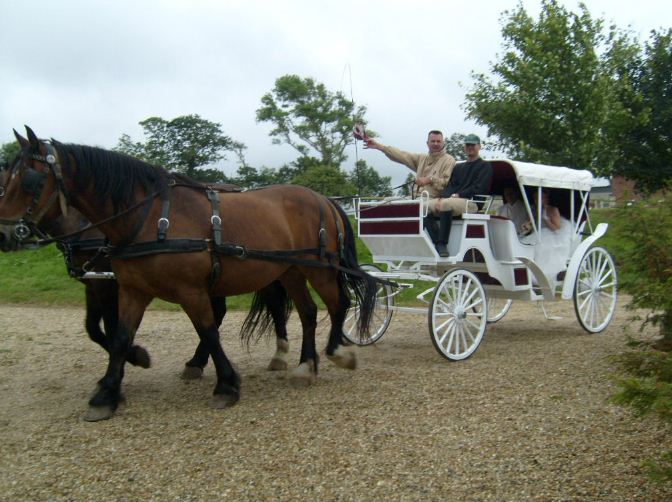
[239,243]
[81,246]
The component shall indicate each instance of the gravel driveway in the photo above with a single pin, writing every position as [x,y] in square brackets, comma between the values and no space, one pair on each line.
[527,417]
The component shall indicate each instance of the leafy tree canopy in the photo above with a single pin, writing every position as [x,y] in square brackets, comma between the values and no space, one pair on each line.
[327,180]
[645,142]
[548,98]
[9,151]
[310,118]
[184,144]
[368,182]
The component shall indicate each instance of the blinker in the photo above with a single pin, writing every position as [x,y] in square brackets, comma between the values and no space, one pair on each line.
[32,181]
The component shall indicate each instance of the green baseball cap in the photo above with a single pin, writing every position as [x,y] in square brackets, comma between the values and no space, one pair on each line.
[472,139]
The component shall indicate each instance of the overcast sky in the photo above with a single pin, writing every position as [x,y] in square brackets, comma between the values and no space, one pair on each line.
[87,71]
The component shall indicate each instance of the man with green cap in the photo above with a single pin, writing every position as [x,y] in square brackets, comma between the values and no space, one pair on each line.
[467,179]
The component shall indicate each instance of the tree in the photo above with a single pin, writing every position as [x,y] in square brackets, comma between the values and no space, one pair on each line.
[368,182]
[9,151]
[455,145]
[308,117]
[407,188]
[184,144]
[645,153]
[327,180]
[549,98]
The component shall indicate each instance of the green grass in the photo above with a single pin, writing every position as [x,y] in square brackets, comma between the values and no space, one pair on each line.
[39,276]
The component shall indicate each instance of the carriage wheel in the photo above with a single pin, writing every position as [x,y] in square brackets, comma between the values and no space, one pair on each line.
[458,315]
[382,314]
[595,290]
[498,308]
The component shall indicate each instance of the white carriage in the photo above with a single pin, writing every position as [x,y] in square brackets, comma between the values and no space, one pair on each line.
[489,265]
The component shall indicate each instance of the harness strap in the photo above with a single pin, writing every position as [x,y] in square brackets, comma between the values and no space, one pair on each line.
[216,220]
[152,247]
[242,253]
[340,229]
[164,222]
[323,230]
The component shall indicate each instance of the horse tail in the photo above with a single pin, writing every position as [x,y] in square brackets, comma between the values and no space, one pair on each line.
[271,307]
[358,283]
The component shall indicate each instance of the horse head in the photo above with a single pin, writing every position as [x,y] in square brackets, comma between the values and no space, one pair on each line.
[30,187]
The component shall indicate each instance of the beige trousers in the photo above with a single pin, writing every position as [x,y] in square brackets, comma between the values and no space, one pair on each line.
[454,204]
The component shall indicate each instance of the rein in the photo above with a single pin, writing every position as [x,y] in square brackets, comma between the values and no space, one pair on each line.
[58,238]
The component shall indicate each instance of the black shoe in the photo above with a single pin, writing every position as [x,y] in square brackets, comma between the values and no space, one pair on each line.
[442,249]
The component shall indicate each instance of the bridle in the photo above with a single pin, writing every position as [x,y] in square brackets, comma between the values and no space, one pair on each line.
[32,183]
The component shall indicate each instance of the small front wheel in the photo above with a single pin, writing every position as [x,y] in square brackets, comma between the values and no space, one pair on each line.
[595,290]
[498,308]
[458,315]
[382,314]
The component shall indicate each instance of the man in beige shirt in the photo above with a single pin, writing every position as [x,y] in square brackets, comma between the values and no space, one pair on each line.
[432,169]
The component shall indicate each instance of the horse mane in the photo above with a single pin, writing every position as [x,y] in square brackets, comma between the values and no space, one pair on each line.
[115,176]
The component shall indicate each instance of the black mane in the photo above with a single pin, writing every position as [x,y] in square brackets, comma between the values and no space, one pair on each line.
[115,176]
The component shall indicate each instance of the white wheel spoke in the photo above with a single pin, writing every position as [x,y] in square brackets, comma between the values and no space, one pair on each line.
[604,278]
[472,323]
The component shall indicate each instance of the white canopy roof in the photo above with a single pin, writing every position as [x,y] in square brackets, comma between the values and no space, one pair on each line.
[548,176]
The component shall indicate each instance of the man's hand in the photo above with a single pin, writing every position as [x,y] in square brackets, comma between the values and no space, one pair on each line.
[372,143]
[423,180]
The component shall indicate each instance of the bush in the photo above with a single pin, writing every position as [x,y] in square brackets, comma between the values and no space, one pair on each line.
[642,250]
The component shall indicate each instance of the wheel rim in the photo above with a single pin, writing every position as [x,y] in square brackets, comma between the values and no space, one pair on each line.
[595,290]
[458,315]
[498,308]
[381,317]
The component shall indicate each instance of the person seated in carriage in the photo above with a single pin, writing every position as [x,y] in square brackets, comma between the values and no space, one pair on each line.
[468,178]
[513,208]
[555,236]
[433,169]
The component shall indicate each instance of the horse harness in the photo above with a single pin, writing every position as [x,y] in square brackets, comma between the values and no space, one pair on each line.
[218,248]
[33,181]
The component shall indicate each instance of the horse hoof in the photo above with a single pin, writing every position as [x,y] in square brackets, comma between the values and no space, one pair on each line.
[192,373]
[140,357]
[302,376]
[343,358]
[98,413]
[277,365]
[220,401]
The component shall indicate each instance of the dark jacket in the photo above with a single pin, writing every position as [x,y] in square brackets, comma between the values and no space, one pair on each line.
[469,179]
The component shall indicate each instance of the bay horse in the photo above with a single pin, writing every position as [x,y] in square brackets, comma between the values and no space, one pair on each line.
[80,249]
[182,244]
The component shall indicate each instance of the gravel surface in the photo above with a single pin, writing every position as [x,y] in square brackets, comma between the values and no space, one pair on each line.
[527,417]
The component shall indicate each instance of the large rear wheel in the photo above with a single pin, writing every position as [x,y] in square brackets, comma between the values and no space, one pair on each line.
[382,314]
[595,290]
[458,315]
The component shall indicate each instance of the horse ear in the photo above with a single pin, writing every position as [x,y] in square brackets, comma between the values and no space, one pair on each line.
[22,141]
[32,138]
